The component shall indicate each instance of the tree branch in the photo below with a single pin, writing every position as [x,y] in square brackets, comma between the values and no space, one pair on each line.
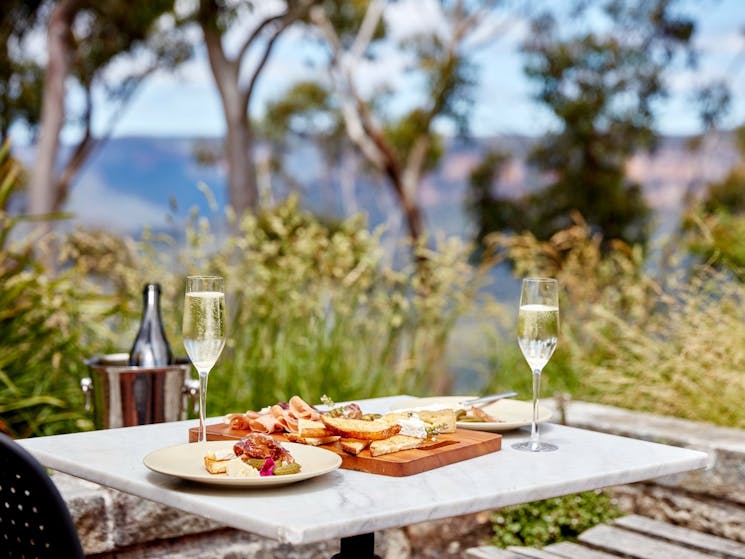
[367,28]
[360,128]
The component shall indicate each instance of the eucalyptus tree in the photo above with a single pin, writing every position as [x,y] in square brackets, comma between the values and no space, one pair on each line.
[20,75]
[601,81]
[236,76]
[490,211]
[85,40]
[728,194]
[403,146]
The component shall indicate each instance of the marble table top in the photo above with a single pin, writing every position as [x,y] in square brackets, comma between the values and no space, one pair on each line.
[344,502]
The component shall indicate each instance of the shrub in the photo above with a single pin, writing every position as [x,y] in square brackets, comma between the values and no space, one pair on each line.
[717,237]
[545,522]
[665,343]
[313,308]
[41,329]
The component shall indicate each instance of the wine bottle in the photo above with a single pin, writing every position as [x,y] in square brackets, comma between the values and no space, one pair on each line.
[151,347]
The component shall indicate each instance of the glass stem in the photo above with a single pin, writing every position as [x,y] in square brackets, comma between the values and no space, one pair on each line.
[203,376]
[534,435]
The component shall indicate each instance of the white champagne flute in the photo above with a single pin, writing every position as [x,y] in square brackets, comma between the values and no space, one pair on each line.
[537,335]
[204,331]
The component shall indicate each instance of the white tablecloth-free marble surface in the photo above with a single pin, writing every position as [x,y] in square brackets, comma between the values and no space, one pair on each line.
[345,503]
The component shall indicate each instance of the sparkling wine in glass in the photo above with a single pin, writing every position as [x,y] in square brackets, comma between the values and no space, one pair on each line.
[537,335]
[204,331]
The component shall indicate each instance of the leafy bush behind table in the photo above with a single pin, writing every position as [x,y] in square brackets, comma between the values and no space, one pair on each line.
[317,308]
[666,336]
[314,308]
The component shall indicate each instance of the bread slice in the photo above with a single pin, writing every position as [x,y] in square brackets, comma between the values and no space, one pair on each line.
[313,441]
[353,446]
[360,428]
[312,428]
[214,465]
[394,444]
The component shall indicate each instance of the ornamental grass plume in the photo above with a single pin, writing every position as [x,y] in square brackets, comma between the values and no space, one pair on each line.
[671,343]
[314,308]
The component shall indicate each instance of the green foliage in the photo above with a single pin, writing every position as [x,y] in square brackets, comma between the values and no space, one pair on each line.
[304,109]
[314,308]
[664,344]
[602,90]
[41,331]
[488,210]
[347,15]
[117,29]
[715,225]
[307,110]
[407,131]
[728,195]
[20,79]
[101,33]
[552,520]
[717,237]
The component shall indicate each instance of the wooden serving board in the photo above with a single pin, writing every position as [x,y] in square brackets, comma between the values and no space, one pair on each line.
[448,449]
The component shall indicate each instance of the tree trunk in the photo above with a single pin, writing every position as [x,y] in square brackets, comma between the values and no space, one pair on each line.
[242,188]
[414,221]
[59,40]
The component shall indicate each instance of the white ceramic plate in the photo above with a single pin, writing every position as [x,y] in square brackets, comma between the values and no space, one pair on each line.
[186,461]
[513,413]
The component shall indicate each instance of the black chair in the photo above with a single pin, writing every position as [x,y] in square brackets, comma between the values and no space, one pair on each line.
[34,519]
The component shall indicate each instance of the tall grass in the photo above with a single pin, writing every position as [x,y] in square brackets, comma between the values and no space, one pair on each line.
[670,342]
[41,331]
[314,308]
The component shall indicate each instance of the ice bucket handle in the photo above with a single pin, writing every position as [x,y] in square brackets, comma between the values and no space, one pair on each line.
[86,385]
[191,396]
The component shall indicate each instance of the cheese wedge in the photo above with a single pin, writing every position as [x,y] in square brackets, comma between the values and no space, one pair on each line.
[444,419]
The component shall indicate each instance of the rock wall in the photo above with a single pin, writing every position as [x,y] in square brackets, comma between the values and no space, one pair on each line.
[114,524]
[710,500]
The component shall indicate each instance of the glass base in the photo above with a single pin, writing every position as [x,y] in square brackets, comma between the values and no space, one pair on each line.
[535,446]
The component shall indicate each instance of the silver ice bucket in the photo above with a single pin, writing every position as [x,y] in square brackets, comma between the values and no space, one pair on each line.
[123,395]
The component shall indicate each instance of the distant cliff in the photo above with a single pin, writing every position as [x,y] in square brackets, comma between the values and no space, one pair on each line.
[144,181]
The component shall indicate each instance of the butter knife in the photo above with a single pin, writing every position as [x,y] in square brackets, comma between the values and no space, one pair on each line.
[482,400]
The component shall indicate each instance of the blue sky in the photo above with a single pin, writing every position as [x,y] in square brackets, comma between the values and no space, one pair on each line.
[186,103]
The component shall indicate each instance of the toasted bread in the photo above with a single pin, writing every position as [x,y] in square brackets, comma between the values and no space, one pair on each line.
[215,466]
[353,446]
[360,428]
[313,441]
[394,444]
[312,428]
